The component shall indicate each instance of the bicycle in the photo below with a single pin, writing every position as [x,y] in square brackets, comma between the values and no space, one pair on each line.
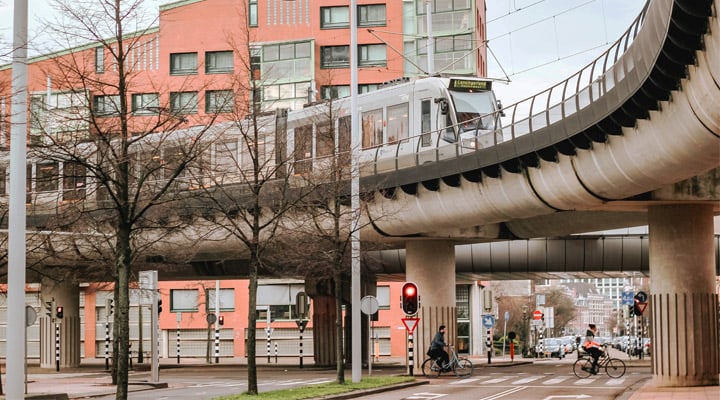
[614,367]
[460,366]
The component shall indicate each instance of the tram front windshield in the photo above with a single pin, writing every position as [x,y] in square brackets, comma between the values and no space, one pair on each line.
[474,110]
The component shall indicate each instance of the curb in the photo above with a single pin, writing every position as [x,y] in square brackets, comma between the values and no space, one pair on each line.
[365,392]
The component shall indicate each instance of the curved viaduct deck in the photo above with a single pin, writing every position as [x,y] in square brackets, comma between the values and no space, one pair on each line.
[645,130]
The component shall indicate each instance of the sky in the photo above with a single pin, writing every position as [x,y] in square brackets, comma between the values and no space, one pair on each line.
[534,43]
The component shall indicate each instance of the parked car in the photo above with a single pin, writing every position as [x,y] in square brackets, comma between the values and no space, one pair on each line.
[552,347]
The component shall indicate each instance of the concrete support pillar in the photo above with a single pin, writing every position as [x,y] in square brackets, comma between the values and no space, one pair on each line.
[477,331]
[66,294]
[683,302]
[431,265]
[324,330]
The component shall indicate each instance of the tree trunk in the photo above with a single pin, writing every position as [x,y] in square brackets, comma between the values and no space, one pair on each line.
[252,323]
[339,358]
[122,317]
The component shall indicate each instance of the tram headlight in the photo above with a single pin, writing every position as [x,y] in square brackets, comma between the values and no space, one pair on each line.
[470,143]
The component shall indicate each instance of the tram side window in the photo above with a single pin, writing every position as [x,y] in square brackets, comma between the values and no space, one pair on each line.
[303,142]
[372,128]
[425,126]
[397,125]
[47,177]
[325,140]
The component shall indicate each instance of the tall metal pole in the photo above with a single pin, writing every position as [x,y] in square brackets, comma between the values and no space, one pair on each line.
[16,223]
[355,200]
[217,321]
[430,40]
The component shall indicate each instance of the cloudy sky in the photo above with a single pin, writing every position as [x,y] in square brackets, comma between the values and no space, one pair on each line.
[536,43]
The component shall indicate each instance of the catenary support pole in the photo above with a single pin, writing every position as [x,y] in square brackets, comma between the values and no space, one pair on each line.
[16,225]
[355,320]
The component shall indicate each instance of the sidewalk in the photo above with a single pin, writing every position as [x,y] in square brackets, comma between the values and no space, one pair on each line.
[91,380]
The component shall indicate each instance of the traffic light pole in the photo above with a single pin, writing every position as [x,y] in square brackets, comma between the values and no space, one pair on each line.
[57,345]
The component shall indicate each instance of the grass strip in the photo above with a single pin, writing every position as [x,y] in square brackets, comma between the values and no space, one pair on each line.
[325,389]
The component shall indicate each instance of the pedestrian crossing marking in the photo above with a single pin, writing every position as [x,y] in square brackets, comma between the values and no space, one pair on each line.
[463,381]
[618,381]
[498,380]
[554,381]
[583,382]
[526,380]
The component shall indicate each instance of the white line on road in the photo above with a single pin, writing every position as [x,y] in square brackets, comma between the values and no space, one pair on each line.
[618,381]
[503,394]
[498,380]
[526,380]
[426,396]
[585,382]
[554,381]
[463,381]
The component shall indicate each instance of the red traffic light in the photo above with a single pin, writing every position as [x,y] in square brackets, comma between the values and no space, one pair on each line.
[221,320]
[59,312]
[409,300]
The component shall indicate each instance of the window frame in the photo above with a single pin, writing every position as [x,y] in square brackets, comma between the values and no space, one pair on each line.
[99,60]
[177,57]
[225,293]
[174,308]
[364,60]
[328,12]
[141,105]
[186,107]
[111,99]
[47,182]
[325,64]
[253,13]
[365,9]
[212,68]
[226,107]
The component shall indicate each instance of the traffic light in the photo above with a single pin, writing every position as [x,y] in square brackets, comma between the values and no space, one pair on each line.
[50,308]
[59,312]
[410,300]
[221,320]
[159,305]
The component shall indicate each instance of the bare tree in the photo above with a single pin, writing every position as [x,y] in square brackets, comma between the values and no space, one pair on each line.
[124,164]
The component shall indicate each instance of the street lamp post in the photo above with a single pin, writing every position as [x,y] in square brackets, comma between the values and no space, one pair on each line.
[525,334]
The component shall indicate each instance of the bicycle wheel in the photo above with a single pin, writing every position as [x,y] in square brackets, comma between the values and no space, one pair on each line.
[430,368]
[581,367]
[463,367]
[615,368]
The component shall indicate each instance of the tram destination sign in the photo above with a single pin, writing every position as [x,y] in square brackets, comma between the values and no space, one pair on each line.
[469,85]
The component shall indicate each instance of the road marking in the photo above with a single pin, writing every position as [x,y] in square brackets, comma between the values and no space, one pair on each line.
[526,380]
[568,396]
[463,381]
[425,396]
[618,381]
[503,394]
[584,382]
[320,382]
[498,380]
[554,381]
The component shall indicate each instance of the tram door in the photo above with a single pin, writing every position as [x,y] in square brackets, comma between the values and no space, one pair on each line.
[427,140]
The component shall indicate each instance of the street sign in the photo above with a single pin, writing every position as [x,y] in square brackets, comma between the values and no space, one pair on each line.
[641,307]
[641,296]
[369,305]
[537,315]
[410,324]
[301,323]
[488,320]
[628,298]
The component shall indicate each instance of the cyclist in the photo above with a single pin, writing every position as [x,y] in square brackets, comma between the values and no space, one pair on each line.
[437,348]
[593,347]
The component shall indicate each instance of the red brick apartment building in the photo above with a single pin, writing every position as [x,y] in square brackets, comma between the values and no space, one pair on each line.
[188,64]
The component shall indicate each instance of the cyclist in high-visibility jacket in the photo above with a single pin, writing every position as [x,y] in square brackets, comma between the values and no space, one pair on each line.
[593,347]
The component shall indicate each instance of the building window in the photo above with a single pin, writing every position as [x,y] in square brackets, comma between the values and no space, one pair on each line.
[439,6]
[279,299]
[100,60]
[372,55]
[183,300]
[371,15]
[218,62]
[227,300]
[335,56]
[219,101]
[106,105]
[183,64]
[383,297]
[334,17]
[145,104]
[184,102]
[46,177]
[253,13]
[334,92]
